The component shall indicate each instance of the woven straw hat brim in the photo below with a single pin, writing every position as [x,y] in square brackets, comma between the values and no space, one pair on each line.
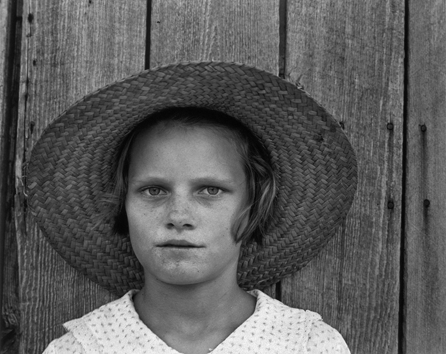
[72,163]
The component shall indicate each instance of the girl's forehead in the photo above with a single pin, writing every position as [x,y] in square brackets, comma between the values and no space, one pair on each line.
[195,147]
[174,133]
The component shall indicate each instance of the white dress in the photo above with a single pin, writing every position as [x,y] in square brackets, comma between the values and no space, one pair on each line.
[273,328]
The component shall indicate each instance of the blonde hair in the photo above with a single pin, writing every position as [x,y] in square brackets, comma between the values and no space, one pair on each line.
[261,181]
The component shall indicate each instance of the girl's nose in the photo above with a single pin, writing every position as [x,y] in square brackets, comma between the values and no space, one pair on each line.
[179,216]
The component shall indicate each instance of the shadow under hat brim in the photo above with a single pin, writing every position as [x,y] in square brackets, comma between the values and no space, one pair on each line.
[71,165]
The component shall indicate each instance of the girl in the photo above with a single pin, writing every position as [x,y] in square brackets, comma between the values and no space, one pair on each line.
[218,178]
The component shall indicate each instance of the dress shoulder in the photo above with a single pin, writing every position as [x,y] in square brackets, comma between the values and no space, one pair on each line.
[324,339]
[296,330]
[86,334]
[67,344]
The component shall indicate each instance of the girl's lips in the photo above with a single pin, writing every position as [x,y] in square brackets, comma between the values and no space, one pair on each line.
[178,243]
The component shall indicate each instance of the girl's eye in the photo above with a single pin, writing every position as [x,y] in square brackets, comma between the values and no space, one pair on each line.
[154,191]
[212,190]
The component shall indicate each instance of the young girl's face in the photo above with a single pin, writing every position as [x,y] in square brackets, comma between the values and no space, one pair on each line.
[186,187]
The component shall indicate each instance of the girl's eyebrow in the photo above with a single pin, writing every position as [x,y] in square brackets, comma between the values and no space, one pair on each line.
[199,180]
[213,180]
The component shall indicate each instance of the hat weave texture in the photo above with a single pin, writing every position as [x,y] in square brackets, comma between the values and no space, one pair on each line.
[71,166]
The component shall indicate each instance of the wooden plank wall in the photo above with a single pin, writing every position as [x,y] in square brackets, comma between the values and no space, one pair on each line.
[10,37]
[348,54]
[425,222]
[69,48]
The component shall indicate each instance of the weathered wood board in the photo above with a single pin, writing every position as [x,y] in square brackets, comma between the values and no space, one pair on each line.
[69,48]
[425,222]
[10,36]
[238,31]
[349,55]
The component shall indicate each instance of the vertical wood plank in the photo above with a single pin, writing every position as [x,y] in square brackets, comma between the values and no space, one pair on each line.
[7,51]
[69,48]
[244,31]
[10,36]
[7,16]
[349,55]
[425,223]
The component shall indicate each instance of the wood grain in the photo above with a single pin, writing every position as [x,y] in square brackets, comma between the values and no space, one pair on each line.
[425,223]
[6,64]
[10,35]
[245,31]
[349,55]
[233,31]
[7,34]
[69,48]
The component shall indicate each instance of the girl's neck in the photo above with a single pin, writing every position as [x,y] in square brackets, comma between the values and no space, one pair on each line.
[201,315]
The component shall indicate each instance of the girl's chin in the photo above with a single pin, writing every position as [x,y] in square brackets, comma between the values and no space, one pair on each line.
[179,275]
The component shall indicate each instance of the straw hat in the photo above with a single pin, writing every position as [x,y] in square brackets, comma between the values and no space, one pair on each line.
[71,164]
